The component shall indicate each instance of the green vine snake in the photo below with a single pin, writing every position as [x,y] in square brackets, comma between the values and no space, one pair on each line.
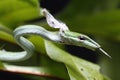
[64,36]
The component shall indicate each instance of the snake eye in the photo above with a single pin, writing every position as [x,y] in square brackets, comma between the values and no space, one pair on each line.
[81,37]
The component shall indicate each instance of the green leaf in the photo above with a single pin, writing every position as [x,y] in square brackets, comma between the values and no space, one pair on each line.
[38,43]
[15,12]
[6,34]
[54,68]
[6,37]
[78,69]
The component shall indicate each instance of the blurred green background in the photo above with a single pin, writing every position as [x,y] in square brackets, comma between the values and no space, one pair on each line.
[100,19]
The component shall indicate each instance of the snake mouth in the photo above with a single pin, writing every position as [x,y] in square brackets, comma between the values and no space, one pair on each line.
[104,52]
[98,47]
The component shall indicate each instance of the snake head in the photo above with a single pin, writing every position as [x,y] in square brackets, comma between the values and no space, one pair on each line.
[82,40]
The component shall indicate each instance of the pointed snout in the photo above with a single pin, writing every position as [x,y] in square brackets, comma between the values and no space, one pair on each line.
[91,44]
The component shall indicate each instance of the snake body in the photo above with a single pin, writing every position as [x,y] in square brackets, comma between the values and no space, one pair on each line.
[26,44]
[64,35]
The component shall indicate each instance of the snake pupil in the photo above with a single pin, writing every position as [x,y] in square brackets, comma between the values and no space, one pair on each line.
[81,38]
